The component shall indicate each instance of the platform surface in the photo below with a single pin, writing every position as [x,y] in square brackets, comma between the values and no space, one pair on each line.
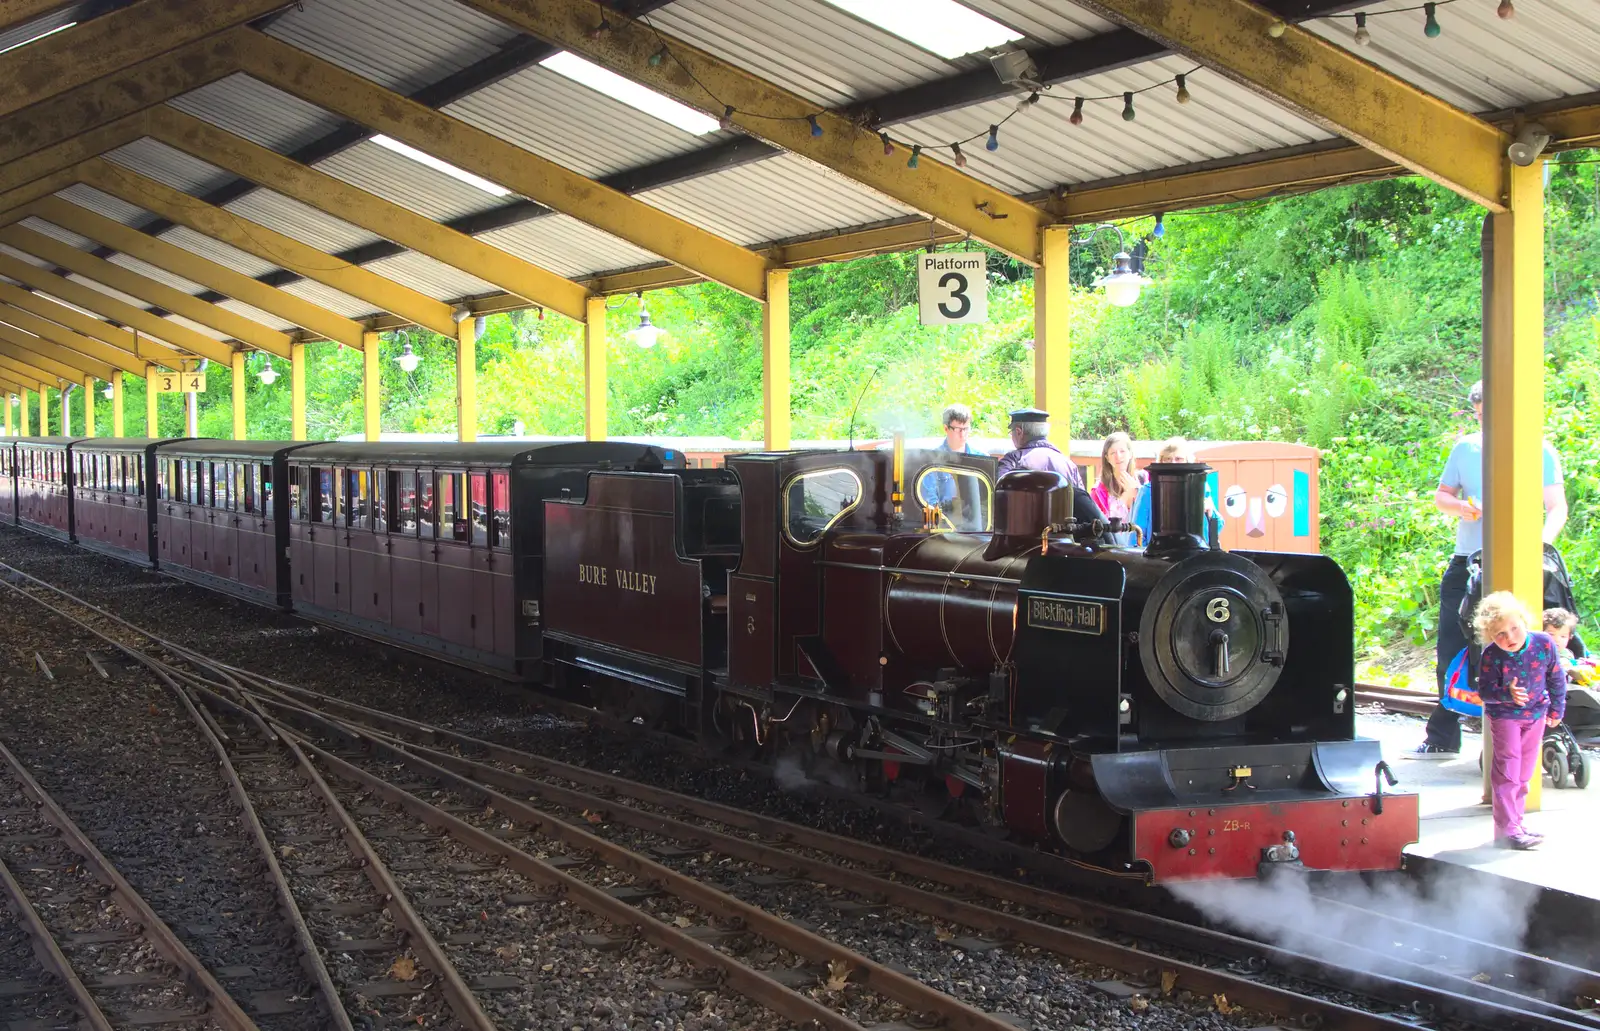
[1458,828]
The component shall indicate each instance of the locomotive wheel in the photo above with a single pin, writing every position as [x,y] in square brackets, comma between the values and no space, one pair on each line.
[1555,764]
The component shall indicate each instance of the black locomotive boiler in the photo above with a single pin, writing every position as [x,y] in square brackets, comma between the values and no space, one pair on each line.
[1178,710]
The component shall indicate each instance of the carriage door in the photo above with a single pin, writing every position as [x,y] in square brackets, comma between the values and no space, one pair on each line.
[361,544]
[455,560]
[485,567]
[324,533]
[504,601]
[303,486]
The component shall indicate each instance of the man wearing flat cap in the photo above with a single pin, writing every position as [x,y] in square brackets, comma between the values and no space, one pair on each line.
[1029,428]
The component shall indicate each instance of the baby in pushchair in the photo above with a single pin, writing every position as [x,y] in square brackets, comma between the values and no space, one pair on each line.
[1563,744]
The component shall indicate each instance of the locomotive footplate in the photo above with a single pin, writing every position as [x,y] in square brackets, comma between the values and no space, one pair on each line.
[1238,840]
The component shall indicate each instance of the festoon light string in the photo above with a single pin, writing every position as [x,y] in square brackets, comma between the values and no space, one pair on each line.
[991,136]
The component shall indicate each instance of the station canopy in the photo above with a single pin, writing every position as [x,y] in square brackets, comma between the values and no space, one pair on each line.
[309,171]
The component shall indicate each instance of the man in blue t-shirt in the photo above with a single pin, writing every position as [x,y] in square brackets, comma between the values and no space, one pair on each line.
[1460,495]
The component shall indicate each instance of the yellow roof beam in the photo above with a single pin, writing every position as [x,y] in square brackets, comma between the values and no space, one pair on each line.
[143,348]
[62,156]
[630,48]
[105,100]
[252,238]
[69,367]
[1330,86]
[193,267]
[115,357]
[41,348]
[12,201]
[93,300]
[29,372]
[129,282]
[110,43]
[15,12]
[358,207]
[360,100]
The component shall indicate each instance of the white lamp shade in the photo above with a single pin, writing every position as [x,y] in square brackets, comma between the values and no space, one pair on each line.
[269,375]
[1122,288]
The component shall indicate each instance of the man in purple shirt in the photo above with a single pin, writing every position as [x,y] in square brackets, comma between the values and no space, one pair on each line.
[1029,428]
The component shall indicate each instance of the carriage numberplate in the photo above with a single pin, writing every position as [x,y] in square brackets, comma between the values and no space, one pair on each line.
[1078,617]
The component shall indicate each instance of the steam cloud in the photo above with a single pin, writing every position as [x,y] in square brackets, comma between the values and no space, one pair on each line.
[1449,926]
[789,775]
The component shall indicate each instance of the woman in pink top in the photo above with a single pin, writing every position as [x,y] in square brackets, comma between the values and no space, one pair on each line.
[1119,484]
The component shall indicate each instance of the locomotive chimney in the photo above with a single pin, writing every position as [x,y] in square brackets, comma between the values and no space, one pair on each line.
[1177,507]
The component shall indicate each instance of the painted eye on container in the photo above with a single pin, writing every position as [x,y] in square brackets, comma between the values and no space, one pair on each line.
[1233,501]
[1277,500]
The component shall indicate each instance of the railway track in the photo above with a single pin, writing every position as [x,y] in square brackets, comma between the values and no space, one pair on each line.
[608,833]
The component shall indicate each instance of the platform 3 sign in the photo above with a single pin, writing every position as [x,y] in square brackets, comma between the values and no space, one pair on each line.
[179,382]
[953,288]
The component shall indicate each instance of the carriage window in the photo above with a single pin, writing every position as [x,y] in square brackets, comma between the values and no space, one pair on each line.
[266,491]
[813,502]
[247,488]
[453,511]
[403,502]
[382,502]
[136,472]
[358,498]
[478,509]
[962,497]
[236,477]
[222,493]
[318,498]
[426,523]
[500,527]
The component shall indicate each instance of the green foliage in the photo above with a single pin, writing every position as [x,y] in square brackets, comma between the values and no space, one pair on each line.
[1348,319]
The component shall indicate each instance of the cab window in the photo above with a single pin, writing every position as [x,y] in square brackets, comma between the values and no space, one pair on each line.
[814,501]
[962,498]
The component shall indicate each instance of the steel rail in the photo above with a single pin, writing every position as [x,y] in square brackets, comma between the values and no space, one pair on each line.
[155,930]
[214,736]
[49,953]
[891,984]
[747,980]
[1489,1003]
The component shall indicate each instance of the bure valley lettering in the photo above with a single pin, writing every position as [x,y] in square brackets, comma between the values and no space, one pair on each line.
[622,579]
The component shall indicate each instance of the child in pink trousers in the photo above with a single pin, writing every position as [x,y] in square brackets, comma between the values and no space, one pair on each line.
[1524,689]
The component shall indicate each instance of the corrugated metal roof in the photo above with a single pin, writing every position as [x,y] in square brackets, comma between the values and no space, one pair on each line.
[257,315]
[1046,21]
[328,297]
[567,246]
[35,27]
[402,44]
[258,112]
[300,221]
[1041,149]
[103,204]
[11,251]
[1478,62]
[159,275]
[572,125]
[782,197]
[399,179]
[203,330]
[217,251]
[431,277]
[66,236]
[172,167]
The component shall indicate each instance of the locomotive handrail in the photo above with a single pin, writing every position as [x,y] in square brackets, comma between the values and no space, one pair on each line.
[931,574]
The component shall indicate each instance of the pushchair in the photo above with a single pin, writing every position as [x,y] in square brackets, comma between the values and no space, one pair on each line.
[1563,744]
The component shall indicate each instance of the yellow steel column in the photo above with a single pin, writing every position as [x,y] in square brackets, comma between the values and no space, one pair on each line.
[1052,348]
[371,377]
[1513,403]
[44,410]
[775,360]
[594,369]
[297,391]
[241,430]
[22,427]
[116,403]
[10,422]
[88,406]
[152,411]
[467,380]
[66,411]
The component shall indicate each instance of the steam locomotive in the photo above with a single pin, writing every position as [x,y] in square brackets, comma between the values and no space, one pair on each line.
[1175,710]
[1142,709]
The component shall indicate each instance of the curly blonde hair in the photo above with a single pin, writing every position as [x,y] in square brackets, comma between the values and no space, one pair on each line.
[1559,619]
[1493,613]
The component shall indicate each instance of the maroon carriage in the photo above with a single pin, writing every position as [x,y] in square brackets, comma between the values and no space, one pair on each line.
[435,546]
[8,481]
[217,515]
[112,479]
[43,485]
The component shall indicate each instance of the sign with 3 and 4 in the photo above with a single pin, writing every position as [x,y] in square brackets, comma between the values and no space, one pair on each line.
[953,288]
[179,382]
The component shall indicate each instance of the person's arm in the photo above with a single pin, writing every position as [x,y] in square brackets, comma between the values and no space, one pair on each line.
[1492,685]
[1555,682]
[1555,511]
[1449,501]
